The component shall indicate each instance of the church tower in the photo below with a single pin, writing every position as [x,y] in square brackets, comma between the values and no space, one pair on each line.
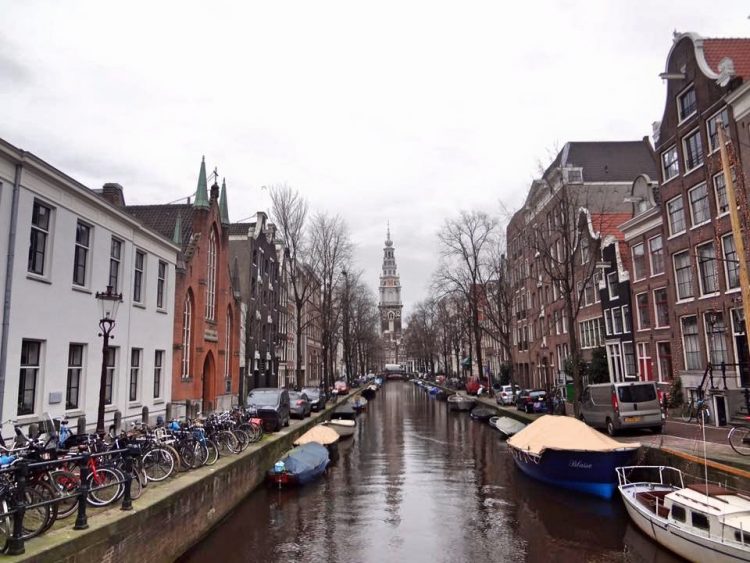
[390,303]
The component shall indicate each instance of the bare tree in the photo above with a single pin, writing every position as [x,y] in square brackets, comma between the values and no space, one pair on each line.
[465,244]
[421,335]
[331,251]
[289,211]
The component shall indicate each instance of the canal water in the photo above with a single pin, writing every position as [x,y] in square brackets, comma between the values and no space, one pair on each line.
[418,483]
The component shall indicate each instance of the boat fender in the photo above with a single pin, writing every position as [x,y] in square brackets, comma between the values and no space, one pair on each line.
[279,467]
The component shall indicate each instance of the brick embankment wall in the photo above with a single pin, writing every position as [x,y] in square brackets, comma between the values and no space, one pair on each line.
[169,518]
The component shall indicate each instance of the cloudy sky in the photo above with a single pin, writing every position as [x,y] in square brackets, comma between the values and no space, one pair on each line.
[406,110]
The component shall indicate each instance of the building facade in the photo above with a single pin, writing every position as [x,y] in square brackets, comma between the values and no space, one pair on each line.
[389,305]
[62,243]
[205,374]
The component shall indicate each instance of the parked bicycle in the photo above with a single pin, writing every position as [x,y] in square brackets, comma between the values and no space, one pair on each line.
[696,409]
[739,438]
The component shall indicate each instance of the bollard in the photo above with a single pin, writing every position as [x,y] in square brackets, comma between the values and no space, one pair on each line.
[81,425]
[15,545]
[117,422]
[83,493]
[168,414]
[127,502]
[144,415]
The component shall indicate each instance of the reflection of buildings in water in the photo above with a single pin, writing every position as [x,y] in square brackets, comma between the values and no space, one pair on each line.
[566,526]
[393,447]
[639,548]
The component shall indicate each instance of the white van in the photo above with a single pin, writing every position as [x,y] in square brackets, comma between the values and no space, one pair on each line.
[617,406]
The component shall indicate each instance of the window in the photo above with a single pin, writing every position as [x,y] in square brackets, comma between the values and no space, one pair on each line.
[639,261]
[670,165]
[731,264]
[693,150]
[589,293]
[75,369]
[135,373]
[115,255]
[664,353]
[656,255]
[678,513]
[720,191]
[616,320]
[691,343]
[607,324]
[614,354]
[597,282]
[628,353]
[699,520]
[40,230]
[187,343]
[81,253]
[716,330]
[584,249]
[211,284]
[644,319]
[683,275]
[661,307]
[612,285]
[109,380]
[686,104]
[626,319]
[699,209]
[676,216]
[30,365]
[158,366]
[712,126]
[161,284]
[644,361]
[709,274]
[228,347]
[140,260]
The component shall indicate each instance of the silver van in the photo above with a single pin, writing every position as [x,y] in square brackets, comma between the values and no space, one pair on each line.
[618,406]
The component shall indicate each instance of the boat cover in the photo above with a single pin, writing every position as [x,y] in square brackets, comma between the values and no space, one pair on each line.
[305,458]
[565,433]
[320,434]
[507,425]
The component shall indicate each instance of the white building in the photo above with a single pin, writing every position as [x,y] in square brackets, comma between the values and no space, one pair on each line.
[60,244]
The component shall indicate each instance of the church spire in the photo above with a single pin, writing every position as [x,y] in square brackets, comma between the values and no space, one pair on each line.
[223,208]
[201,193]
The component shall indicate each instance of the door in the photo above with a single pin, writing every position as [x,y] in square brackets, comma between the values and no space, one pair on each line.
[209,393]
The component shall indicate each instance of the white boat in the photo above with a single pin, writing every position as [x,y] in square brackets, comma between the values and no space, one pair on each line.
[344,427]
[458,402]
[506,425]
[701,522]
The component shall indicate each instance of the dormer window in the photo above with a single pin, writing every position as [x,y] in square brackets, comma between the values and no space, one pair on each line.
[687,104]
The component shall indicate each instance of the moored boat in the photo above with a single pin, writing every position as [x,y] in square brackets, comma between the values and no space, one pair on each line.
[300,465]
[323,435]
[346,411]
[459,402]
[506,425]
[482,413]
[359,404]
[370,391]
[565,452]
[700,521]
[345,428]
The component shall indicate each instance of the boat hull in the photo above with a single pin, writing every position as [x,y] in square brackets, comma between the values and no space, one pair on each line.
[313,466]
[681,542]
[592,473]
[345,431]
[461,404]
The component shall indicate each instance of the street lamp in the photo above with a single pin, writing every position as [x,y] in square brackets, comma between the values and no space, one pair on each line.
[108,304]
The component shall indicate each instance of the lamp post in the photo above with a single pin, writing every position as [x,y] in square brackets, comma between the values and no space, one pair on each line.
[108,304]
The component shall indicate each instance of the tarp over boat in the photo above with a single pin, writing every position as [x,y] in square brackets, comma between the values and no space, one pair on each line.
[305,458]
[320,434]
[565,433]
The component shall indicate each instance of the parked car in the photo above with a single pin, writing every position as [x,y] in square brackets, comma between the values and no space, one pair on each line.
[271,405]
[316,398]
[475,383]
[341,387]
[299,404]
[505,396]
[532,400]
[617,406]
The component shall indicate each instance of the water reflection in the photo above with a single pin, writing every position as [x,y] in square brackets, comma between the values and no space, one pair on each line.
[419,483]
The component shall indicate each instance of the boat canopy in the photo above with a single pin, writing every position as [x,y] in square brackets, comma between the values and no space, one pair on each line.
[565,433]
[320,434]
[305,457]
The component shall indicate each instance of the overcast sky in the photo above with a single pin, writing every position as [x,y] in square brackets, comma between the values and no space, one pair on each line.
[407,111]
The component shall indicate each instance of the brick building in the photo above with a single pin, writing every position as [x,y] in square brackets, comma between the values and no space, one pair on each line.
[706,319]
[205,373]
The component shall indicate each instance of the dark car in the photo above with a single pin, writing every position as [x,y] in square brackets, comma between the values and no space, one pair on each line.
[532,400]
[270,405]
[299,404]
[316,398]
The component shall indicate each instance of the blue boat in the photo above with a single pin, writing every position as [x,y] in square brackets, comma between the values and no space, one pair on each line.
[300,465]
[565,452]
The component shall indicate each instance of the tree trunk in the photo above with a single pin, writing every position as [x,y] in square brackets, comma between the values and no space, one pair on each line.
[298,331]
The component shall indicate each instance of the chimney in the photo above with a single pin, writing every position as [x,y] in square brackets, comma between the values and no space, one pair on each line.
[112,192]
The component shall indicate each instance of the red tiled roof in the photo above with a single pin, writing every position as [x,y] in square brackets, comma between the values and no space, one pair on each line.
[735,48]
[609,223]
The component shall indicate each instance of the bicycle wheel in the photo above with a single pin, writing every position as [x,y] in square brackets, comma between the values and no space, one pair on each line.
[35,518]
[187,456]
[739,439]
[201,454]
[705,415]
[228,443]
[66,484]
[5,525]
[105,486]
[213,452]
[686,414]
[47,492]
[242,438]
[158,464]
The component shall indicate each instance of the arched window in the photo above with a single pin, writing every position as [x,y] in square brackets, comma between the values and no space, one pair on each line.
[187,335]
[211,282]
[228,346]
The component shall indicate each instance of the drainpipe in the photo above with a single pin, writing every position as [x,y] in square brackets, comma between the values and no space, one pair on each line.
[9,280]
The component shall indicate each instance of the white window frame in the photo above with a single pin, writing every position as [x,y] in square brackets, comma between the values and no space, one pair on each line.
[48,233]
[684,92]
[158,382]
[134,379]
[73,367]
[139,277]
[728,263]
[697,339]
[638,311]
[711,148]
[656,305]
[676,280]
[707,198]
[115,261]
[701,157]
[210,312]
[85,249]
[651,256]
[162,276]
[720,336]
[661,376]
[612,295]
[672,231]
[644,263]
[665,166]
[37,369]
[643,357]
[187,336]
[700,267]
